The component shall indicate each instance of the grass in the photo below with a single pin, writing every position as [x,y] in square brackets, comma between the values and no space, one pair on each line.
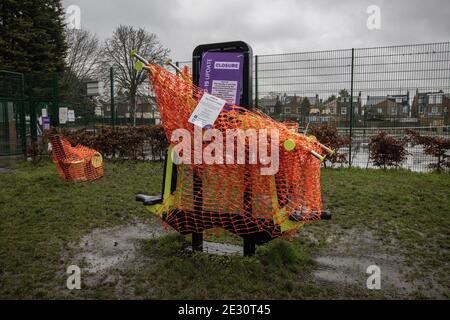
[41,216]
[410,210]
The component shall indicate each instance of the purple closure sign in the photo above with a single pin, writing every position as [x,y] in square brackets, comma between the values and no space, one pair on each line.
[221,75]
[45,123]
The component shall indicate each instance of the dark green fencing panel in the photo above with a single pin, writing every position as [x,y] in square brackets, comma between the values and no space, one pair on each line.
[12,116]
[24,99]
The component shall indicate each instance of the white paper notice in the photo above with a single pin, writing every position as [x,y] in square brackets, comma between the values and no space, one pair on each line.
[225,89]
[207,111]
[71,115]
[63,114]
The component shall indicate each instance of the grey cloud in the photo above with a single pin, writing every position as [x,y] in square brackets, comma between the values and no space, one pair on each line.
[271,26]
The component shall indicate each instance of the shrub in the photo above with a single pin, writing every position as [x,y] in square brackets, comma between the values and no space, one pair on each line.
[437,147]
[123,142]
[386,151]
[329,136]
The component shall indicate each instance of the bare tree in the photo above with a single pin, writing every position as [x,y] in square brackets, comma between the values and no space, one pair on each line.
[82,54]
[82,64]
[116,52]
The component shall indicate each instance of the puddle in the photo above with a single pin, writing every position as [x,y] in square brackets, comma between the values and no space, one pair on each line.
[114,248]
[350,253]
[352,270]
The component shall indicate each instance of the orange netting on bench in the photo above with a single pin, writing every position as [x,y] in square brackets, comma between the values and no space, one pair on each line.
[235,197]
[77,163]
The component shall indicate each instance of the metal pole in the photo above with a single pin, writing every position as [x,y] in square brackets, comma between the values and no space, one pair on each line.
[351,109]
[55,111]
[113,111]
[33,124]
[23,128]
[256,82]
[177,64]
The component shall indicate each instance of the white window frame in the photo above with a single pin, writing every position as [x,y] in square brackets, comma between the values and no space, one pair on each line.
[394,111]
[434,110]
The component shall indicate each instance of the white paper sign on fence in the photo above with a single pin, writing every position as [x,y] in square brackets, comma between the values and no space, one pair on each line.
[63,114]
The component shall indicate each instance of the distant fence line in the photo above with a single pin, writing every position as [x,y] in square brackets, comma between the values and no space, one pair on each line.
[361,91]
[404,86]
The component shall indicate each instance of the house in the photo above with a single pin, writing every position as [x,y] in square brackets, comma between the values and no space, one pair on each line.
[432,108]
[268,104]
[294,108]
[146,109]
[291,107]
[387,108]
[300,108]
[338,109]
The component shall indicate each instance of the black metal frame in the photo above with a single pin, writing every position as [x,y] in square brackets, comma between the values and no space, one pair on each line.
[233,46]
[246,101]
[256,236]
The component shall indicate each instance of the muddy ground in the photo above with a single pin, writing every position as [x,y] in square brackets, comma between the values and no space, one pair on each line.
[105,255]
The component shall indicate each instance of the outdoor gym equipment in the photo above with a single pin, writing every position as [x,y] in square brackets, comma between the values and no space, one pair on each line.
[77,163]
[232,196]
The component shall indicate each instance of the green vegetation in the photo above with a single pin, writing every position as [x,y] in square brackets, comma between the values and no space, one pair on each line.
[41,215]
[32,36]
[44,218]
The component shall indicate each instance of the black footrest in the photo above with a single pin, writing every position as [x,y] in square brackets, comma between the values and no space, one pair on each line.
[325,215]
[301,216]
[149,200]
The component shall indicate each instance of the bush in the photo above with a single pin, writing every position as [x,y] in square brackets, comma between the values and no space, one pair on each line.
[433,146]
[123,142]
[329,136]
[386,151]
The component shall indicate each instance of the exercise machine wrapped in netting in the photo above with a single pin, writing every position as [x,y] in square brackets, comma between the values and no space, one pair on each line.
[78,163]
[232,195]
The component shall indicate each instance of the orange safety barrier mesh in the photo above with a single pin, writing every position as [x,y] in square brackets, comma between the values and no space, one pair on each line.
[293,126]
[77,163]
[236,197]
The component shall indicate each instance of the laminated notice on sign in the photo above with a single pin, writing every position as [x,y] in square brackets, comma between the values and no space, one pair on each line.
[207,111]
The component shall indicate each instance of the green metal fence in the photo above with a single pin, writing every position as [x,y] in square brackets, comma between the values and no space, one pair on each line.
[362,91]
[23,100]
[27,99]
[12,115]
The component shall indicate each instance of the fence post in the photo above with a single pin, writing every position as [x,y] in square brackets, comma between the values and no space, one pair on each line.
[55,97]
[33,124]
[351,110]
[23,125]
[113,111]
[256,82]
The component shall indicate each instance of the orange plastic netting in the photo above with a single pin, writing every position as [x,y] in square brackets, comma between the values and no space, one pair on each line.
[77,163]
[236,197]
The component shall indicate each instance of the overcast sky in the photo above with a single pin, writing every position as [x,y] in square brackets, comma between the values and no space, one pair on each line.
[271,26]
